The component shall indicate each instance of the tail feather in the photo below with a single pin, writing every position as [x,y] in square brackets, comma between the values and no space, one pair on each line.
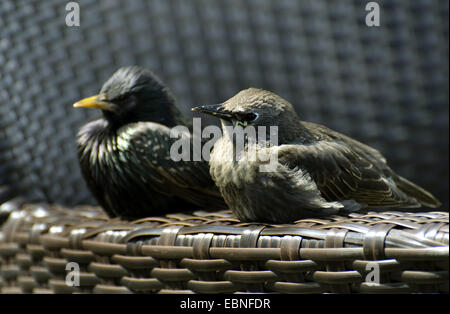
[415,191]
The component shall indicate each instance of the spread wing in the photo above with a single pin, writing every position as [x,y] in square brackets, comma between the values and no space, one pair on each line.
[343,171]
[149,144]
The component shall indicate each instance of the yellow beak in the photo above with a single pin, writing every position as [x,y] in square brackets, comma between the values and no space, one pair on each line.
[97,102]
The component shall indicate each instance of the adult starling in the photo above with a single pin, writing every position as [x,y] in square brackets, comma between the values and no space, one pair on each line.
[318,171]
[125,155]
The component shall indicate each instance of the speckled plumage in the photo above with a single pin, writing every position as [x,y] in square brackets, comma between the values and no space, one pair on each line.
[125,155]
[319,171]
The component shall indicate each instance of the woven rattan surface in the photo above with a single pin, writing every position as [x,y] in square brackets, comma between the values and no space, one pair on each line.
[205,252]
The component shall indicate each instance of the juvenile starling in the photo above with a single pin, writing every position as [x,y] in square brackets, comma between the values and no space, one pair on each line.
[319,171]
[125,155]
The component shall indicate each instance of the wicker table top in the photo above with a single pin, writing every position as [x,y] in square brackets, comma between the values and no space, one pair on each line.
[212,252]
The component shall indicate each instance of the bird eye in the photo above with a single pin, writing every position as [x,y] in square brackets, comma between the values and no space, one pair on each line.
[124,98]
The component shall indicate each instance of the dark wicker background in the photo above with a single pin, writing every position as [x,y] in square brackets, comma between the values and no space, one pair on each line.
[386,86]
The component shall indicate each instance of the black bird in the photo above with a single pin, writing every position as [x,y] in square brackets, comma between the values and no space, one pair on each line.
[318,171]
[125,155]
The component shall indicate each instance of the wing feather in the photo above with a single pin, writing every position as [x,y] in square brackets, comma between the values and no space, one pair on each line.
[343,173]
[189,180]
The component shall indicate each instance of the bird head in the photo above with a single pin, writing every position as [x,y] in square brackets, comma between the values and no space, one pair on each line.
[133,94]
[254,107]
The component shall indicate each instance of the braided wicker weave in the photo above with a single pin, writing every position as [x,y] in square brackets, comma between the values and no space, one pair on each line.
[214,253]
[386,86]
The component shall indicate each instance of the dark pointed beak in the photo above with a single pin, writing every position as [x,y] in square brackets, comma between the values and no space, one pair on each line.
[214,110]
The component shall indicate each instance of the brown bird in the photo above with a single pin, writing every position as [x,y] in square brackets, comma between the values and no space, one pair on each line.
[125,155]
[318,171]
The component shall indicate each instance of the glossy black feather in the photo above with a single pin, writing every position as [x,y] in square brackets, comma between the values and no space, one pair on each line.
[125,156]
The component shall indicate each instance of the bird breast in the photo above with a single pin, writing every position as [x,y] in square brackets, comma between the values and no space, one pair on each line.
[97,150]
[236,168]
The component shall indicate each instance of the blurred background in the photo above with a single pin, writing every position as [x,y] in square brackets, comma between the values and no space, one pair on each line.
[386,86]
